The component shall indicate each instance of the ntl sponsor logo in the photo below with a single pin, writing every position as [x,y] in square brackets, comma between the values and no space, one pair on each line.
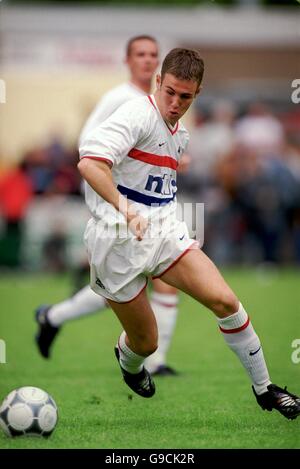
[296,353]
[165,185]
[2,351]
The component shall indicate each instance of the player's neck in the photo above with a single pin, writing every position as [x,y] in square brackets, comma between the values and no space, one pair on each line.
[143,86]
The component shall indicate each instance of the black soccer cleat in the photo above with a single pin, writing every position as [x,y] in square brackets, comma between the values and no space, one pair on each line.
[46,332]
[164,370]
[280,399]
[141,383]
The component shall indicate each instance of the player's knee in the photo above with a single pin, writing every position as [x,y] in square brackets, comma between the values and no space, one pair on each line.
[227,305]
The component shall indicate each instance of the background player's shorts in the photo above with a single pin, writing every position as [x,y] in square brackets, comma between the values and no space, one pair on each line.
[120,264]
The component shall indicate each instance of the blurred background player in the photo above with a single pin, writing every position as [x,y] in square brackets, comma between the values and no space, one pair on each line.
[142,58]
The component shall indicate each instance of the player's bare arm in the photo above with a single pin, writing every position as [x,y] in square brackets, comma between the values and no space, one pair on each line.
[99,177]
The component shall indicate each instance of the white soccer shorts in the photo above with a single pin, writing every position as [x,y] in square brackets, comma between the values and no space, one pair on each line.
[120,264]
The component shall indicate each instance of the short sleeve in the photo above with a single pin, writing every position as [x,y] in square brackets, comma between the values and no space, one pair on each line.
[116,136]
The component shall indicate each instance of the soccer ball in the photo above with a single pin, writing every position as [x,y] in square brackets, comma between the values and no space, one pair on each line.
[28,411]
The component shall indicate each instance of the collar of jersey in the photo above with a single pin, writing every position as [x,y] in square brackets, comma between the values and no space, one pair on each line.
[173,129]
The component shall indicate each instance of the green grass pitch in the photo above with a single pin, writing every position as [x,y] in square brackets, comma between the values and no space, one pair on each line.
[210,405]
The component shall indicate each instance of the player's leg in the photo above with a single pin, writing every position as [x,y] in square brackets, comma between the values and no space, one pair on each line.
[80,276]
[164,301]
[196,275]
[51,318]
[137,341]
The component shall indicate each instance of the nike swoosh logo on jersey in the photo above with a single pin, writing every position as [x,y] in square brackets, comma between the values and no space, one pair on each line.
[182,237]
[256,351]
[161,144]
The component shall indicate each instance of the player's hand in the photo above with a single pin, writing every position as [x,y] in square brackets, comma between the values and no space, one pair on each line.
[137,225]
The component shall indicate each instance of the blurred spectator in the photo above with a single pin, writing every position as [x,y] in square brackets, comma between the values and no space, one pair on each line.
[15,195]
[211,139]
[55,251]
[53,169]
[266,197]
[292,159]
[38,169]
[260,130]
[66,178]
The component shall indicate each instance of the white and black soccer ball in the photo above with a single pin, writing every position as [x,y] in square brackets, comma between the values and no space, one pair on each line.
[28,411]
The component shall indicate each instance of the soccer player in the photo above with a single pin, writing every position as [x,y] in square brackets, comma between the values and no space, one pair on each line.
[142,60]
[130,165]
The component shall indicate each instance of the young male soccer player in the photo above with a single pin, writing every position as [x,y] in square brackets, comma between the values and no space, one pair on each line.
[142,61]
[130,165]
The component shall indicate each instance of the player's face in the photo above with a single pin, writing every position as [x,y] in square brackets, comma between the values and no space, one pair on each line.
[174,96]
[143,60]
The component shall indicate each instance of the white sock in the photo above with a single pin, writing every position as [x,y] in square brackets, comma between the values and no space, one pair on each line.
[129,360]
[81,304]
[239,334]
[165,310]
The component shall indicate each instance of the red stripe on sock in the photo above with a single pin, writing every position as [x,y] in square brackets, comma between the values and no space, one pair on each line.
[167,305]
[238,329]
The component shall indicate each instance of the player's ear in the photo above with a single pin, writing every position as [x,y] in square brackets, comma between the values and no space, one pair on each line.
[198,90]
[158,81]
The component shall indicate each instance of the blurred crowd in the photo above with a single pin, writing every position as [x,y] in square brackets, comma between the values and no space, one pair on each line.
[245,168]
[43,172]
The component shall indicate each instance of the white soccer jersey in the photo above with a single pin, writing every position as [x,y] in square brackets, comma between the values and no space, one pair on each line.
[108,104]
[143,152]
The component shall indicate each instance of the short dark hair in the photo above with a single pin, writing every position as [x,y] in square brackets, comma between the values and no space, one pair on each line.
[138,38]
[184,64]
